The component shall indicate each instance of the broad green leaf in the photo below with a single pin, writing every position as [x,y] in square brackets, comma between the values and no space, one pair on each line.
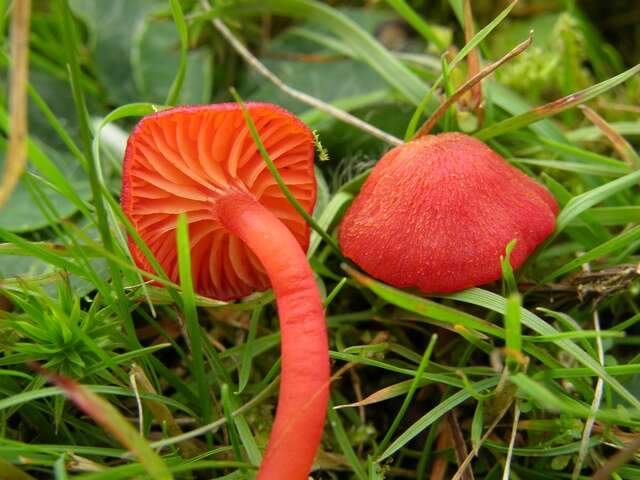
[113,27]
[20,213]
[364,45]
[156,58]
[314,78]
[417,22]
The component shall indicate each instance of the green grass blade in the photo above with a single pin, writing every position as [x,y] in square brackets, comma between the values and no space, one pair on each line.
[364,45]
[583,202]
[481,35]
[614,245]
[191,317]
[575,167]
[613,216]
[424,362]
[435,414]
[560,105]
[496,303]
[247,353]
[334,293]
[424,307]
[231,429]
[345,443]
[460,56]
[50,116]
[331,212]
[416,21]
[281,183]
[115,423]
[181,25]
[476,425]
[567,449]
[71,44]
[45,254]
[513,327]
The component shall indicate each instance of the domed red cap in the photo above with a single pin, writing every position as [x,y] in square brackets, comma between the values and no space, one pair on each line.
[438,212]
[184,159]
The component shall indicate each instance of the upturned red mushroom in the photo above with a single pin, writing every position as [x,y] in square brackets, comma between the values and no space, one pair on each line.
[438,212]
[245,236]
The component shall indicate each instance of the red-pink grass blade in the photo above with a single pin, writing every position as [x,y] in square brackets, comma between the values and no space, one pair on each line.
[477,78]
[111,420]
[385,393]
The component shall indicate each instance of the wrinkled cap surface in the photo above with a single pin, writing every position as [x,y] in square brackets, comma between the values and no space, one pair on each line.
[437,213]
[184,159]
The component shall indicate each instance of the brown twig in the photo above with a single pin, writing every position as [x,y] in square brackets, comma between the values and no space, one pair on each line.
[485,72]
[463,466]
[459,446]
[18,77]
[617,460]
[473,60]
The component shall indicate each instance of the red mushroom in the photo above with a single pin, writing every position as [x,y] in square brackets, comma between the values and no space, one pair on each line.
[438,212]
[244,236]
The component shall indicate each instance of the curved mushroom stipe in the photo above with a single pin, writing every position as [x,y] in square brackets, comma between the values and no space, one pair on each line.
[304,385]
[244,236]
[437,213]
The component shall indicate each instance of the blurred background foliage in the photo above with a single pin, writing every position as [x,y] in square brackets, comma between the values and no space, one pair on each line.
[130,52]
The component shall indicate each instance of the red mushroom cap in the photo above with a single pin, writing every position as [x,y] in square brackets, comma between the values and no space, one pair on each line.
[185,158]
[437,213]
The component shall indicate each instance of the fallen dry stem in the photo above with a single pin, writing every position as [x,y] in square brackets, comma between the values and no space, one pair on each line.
[620,144]
[506,474]
[18,76]
[477,78]
[161,412]
[297,94]
[473,60]
[463,466]
[459,446]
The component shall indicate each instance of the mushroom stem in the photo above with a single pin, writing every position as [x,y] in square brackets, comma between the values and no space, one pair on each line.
[304,386]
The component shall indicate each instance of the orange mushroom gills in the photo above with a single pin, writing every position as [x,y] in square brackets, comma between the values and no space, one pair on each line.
[438,212]
[185,159]
[245,236]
